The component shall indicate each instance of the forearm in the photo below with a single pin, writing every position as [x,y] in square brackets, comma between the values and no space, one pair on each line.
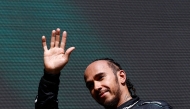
[47,92]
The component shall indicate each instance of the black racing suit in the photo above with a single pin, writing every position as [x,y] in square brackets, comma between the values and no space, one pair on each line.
[48,91]
[136,103]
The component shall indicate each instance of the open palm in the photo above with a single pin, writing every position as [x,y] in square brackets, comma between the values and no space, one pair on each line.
[56,57]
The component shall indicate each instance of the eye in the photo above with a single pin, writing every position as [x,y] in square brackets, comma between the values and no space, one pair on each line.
[89,85]
[101,77]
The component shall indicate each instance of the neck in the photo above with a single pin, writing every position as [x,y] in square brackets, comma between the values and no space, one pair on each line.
[124,98]
[127,98]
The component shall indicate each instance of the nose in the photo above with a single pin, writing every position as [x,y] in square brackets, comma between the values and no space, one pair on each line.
[97,86]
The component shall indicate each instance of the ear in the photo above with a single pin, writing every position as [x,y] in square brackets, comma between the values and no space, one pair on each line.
[122,76]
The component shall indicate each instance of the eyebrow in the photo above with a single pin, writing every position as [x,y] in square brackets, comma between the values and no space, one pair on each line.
[99,74]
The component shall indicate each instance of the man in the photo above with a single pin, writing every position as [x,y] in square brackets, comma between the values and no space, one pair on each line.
[105,79]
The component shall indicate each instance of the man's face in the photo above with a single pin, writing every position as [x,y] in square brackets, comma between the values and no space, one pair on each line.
[102,83]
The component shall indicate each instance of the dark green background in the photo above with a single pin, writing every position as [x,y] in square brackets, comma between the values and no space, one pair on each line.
[150,39]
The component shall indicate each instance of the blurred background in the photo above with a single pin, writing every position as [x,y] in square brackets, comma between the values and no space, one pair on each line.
[150,39]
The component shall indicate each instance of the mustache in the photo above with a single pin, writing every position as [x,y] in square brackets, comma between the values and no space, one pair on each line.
[101,92]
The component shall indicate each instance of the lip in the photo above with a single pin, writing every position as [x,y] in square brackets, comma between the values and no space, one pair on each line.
[102,94]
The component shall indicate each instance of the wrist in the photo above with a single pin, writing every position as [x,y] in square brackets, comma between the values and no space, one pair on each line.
[50,71]
[51,77]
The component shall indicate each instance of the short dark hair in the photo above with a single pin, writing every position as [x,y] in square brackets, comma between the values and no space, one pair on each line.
[116,67]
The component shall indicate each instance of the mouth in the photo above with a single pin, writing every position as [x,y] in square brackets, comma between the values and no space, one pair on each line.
[103,93]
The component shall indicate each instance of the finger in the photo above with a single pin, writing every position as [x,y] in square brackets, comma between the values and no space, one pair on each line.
[52,43]
[63,41]
[69,50]
[44,45]
[57,37]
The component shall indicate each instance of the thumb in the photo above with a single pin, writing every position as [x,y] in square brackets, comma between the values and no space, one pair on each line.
[68,51]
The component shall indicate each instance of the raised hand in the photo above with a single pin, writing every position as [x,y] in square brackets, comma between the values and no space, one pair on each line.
[56,57]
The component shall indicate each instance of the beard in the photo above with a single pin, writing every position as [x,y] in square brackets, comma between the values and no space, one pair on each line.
[112,104]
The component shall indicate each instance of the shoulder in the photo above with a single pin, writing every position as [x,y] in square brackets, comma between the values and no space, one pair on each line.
[159,104]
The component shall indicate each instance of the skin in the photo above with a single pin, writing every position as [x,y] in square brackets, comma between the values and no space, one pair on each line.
[56,57]
[105,87]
